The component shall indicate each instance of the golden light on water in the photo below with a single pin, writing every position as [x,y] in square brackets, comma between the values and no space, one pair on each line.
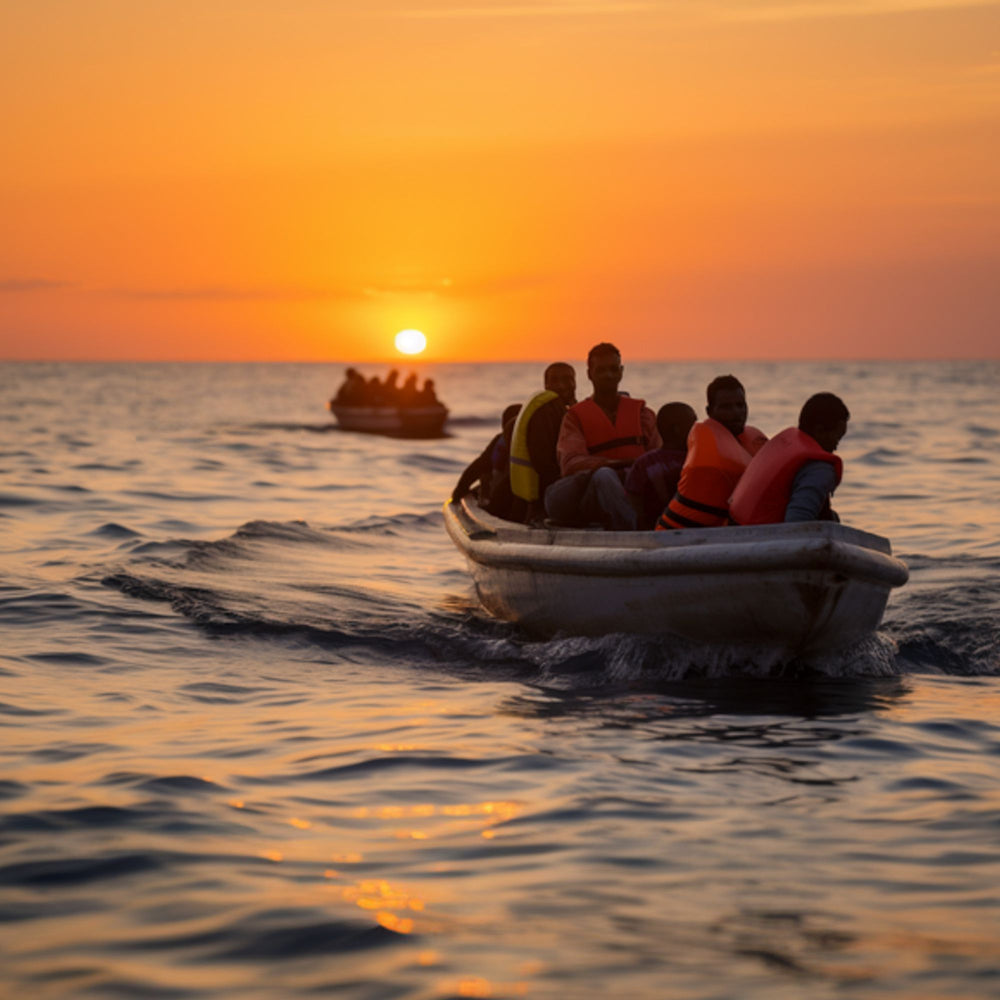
[410,341]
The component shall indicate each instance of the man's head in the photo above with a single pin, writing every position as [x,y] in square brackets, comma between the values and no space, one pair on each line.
[561,379]
[673,421]
[824,418]
[727,403]
[604,369]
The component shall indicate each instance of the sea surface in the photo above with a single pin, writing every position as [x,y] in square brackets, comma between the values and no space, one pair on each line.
[257,740]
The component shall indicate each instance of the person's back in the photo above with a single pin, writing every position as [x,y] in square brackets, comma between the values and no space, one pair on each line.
[794,475]
[719,450]
[408,393]
[489,470]
[534,464]
[352,388]
[652,480]
[427,396]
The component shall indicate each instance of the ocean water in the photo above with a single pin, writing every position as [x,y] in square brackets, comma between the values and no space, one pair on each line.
[257,740]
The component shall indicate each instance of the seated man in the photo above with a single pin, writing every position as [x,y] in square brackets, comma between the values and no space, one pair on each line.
[534,465]
[793,476]
[351,393]
[719,449]
[490,469]
[600,437]
[652,480]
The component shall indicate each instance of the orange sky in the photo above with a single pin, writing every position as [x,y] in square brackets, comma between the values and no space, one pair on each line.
[299,179]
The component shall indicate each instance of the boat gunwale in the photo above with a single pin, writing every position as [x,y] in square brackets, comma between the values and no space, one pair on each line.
[494,543]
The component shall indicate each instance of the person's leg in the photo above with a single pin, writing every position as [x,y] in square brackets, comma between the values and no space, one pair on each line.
[564,497]
[606,501]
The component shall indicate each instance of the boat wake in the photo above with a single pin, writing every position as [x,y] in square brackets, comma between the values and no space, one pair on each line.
[379,590]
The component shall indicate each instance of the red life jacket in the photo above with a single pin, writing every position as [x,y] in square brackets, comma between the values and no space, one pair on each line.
[762,495]
[715,461]
[622,440]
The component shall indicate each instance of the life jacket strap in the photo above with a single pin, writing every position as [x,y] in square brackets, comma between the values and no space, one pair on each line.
[670,519]
[703,507]
[614,443]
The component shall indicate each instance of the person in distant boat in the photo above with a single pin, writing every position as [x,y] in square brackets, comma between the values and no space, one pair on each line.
[534,464]
[490,470]
[719,450]
[652,480]
[408,393]
[373,394]
[352,391]
[794,475]
[599,438]
[427,395]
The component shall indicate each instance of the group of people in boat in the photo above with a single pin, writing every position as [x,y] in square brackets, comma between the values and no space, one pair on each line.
[609,460]
[357,390]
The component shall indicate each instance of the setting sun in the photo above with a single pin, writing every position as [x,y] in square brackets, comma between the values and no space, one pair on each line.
[410,341]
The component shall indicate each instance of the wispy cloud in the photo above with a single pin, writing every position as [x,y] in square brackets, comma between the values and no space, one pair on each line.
[229,293]
[16,286]
[796,10]
[423,288]
[448,288]
[569,8]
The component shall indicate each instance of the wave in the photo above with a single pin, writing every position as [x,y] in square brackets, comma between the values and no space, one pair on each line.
[380,585]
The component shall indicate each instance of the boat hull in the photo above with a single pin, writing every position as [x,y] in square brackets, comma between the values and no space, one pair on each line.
[793,588]
[395,421]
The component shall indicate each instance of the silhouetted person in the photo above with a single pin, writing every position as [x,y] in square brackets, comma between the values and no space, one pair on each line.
[534,464]
[490,470]
[351,392]
[408,394]
[427,396]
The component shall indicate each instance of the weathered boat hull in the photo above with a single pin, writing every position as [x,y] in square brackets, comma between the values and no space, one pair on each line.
[795,588]
[395,421]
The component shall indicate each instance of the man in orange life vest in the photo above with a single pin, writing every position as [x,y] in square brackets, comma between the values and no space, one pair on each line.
[599,438]
[719,449]
[793,476]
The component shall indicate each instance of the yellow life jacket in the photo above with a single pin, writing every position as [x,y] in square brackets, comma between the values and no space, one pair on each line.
[523,477]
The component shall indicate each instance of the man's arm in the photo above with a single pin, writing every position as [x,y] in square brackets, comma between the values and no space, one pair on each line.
[479,469]
[811,489]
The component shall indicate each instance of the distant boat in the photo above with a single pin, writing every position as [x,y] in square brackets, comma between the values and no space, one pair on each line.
[789,588]
[395,421]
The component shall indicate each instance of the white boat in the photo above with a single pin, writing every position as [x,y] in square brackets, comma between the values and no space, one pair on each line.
[397,421]
[790,588]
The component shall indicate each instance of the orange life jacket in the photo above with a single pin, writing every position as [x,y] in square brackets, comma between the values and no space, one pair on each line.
[715,461]
[622,440]
[763,492]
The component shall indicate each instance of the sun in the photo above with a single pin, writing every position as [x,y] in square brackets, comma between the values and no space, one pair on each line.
[410,341]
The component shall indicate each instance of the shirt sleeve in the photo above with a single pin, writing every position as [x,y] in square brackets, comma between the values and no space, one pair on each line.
[811,488]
